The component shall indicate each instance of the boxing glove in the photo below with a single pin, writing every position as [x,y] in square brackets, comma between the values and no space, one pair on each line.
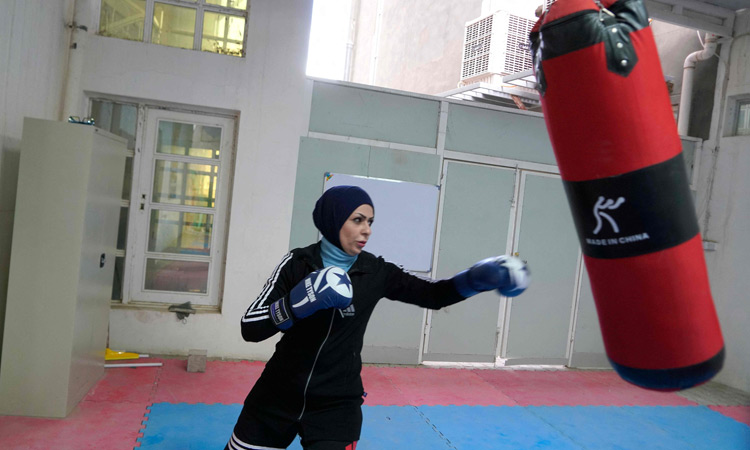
[509,275]
[322,289]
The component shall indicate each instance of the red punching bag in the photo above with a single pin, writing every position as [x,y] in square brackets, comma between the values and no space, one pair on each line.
[615,139]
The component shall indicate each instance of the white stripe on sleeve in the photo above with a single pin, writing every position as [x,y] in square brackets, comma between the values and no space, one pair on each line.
[258,310]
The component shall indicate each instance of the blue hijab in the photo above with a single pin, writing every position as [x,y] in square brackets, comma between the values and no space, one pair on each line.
[331,211]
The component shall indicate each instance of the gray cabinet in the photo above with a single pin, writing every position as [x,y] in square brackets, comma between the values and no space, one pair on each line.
[62,262]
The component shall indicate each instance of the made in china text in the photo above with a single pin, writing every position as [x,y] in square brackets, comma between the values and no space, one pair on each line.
[619,241]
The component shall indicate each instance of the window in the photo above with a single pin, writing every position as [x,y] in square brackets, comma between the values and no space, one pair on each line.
[743,118]
[173,26]
[122,20]
[217,26]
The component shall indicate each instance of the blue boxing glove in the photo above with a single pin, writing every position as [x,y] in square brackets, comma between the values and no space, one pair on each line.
[322,289]
[508,274]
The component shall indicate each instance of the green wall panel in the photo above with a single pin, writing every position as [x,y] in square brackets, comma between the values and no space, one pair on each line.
[362,113]
[497,133]
[404,165]
[316,157]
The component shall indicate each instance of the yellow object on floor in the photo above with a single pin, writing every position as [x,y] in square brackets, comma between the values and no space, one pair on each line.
[112,355]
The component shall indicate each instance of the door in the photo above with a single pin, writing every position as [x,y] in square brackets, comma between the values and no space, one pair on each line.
[477,206]
[538,323]
[490,210]
[178,213]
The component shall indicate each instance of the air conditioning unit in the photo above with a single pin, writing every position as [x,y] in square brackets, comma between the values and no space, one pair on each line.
[495,45]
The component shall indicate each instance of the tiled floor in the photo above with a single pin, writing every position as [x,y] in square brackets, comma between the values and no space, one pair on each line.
[406,407]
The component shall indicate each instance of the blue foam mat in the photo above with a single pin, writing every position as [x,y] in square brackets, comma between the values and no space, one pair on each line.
[188,426]
[204,426]
[495,427]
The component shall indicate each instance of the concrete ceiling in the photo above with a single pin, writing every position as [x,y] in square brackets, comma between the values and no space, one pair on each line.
[715,16]
[728,4]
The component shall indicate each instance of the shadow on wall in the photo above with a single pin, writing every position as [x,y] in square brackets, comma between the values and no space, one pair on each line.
[10,157]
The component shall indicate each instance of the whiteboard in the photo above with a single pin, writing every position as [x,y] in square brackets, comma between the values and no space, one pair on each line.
[405,218]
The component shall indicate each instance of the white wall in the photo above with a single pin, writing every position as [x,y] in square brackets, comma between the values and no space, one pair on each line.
[728,219]
[33,54]
[417,45]
[523,9]
[674,43]
[267,89]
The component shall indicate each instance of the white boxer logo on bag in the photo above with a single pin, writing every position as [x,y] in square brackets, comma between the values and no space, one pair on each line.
[598,214]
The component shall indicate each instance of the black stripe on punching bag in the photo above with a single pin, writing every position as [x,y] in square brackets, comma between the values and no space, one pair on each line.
[672,379]
[636,213]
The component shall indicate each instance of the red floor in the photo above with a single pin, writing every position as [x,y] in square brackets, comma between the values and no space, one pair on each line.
[111,415]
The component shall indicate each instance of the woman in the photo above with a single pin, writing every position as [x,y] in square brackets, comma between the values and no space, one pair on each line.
[321,297]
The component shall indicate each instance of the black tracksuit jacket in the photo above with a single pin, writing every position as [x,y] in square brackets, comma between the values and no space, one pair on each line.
[318,358]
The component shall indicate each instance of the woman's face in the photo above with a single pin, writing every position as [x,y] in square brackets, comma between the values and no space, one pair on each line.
[356,230]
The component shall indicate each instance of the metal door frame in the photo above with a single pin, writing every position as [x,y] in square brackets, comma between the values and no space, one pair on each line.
[521,168]
[515,228]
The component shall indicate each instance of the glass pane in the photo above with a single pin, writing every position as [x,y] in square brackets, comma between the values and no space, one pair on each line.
[180,276]
[174,26]
[188,139]
[117,280]
[119,119]
[743,119]
[180,232]
[222,33]
[122,20]
[181,183]
[237,4]
[127,181]
[122,230]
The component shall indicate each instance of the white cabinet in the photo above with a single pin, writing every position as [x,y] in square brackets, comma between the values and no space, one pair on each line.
[61,267]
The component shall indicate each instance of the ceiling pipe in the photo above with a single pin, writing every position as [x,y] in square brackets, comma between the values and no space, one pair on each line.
[79,28]
[688,69]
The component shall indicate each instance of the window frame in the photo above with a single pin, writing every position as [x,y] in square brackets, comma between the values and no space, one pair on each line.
[201,7]
[135,272]
[143,107]
[740,102]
